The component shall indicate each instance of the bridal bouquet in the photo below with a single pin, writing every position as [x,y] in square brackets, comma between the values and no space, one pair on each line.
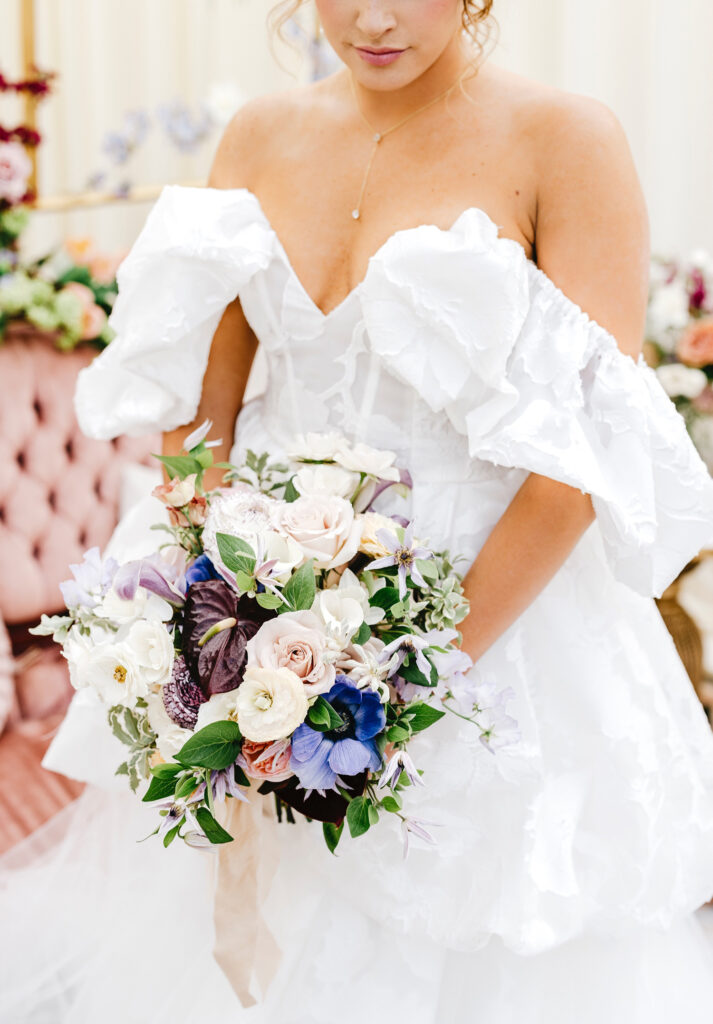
[286,637]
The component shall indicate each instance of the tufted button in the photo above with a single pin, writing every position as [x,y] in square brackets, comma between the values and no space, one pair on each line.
[37,406]
[20,459]
[82,538]
[52,500]
[69,448]
[36,551]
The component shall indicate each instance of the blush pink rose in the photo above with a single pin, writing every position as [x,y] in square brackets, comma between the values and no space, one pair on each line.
[324,526]
[295,640]
[695,347]
[268,760]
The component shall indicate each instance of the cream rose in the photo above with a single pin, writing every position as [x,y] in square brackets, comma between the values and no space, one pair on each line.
[324,527]
[152,649]
[361,458]
[326,479]
[271,703]
[295,640]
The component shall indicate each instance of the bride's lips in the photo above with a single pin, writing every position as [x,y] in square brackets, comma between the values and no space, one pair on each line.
[379,57]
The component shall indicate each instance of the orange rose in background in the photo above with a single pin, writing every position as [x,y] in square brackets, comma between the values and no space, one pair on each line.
[695,347]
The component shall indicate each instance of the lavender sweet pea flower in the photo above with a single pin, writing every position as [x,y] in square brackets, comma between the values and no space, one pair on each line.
[402,554]
[92,579]
[154,575]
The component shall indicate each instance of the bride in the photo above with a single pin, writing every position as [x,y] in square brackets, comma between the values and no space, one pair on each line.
[447,260]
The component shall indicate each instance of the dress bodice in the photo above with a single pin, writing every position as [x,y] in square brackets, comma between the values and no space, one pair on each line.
[455,350]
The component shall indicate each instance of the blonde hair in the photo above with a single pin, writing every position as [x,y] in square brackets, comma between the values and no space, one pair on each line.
[476,18]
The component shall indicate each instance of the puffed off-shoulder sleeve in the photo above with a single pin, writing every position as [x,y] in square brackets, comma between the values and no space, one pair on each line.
[197,248]
[534,383]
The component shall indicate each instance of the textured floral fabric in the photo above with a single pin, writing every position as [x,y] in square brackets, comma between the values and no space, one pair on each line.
[568,867]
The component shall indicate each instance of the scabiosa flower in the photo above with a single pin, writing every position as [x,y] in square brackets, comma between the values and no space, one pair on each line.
[402,554]
[182,696]
[320,758]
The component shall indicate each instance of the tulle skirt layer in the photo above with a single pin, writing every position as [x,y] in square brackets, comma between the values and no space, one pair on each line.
[97,927]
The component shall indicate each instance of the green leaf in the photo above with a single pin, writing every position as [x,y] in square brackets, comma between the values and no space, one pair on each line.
[204,458]
[186,786]
[300,589]
[421,715]
[362,634]
[236,553]
[166,770]
[332,834]
[180,465]
[240,776]
[269,600]
[291,492]
[396,734]
[172,833]
[358,816]
[385,597]
[427,568]
[215,746]
[244,580]
[413,674]
[372,813]
[323,716]
[391,803]
[159,789]
[214,832]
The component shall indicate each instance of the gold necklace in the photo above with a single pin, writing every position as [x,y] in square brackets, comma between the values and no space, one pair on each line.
[378,136]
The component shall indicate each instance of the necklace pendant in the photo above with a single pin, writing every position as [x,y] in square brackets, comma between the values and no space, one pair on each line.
[355,214]
[377,136]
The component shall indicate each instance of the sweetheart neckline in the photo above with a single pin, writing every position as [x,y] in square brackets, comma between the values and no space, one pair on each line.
[353,292]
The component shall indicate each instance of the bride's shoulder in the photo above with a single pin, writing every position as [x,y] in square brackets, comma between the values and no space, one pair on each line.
[260,132]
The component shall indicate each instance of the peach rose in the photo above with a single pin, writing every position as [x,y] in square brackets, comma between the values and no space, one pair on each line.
[270,760]
[294,640]
[695,347]
[103,266]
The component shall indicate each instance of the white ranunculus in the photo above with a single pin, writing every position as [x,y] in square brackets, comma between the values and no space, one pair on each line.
[169,736]
[152,649]
[316,447]
[681,381]
[109,668]
[326,479]
[325,528]
[345,607]
[271,703]
[361,458]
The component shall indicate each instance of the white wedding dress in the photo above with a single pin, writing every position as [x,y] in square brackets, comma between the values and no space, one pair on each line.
[569,867]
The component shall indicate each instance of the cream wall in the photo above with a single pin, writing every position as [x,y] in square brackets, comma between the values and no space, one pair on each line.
[648,59]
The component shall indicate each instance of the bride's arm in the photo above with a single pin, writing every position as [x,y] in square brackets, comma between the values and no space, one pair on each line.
[592,239]
[234,344]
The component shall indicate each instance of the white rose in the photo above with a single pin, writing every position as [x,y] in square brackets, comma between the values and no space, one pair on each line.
[152,649]
[326,479]
[324,527]
[360,458]
[169,736]
[271,703]
[681,381]
[316,447]
[668,312]
[110,669]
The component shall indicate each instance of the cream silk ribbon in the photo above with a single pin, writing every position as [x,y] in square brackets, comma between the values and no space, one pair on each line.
[245,948]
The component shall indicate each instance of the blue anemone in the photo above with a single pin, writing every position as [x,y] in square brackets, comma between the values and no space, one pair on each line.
[319,757]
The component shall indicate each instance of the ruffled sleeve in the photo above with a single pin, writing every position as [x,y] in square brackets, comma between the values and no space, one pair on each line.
[196,250]
[534,383]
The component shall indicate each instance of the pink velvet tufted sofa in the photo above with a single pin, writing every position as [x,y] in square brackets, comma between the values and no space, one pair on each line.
[59,494]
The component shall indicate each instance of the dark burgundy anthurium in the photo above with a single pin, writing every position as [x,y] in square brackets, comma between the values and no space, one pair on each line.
[217,624]
[331,807]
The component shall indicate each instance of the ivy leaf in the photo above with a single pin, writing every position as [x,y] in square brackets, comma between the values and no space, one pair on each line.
[215,833]
[215,746]
[358,816]
[300,589]
[332,834]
